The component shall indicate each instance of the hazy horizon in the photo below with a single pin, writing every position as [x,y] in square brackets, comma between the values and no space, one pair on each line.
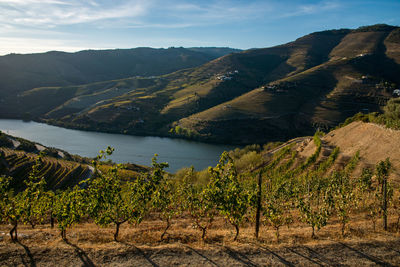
[32,26]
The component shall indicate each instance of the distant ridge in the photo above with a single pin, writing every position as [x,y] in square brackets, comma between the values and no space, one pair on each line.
[22,72]
[253,96]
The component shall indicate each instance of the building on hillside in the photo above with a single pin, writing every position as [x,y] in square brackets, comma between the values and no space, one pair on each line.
[396,92]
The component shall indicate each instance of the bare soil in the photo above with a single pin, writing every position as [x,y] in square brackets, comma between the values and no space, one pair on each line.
[374,143]
[89,245]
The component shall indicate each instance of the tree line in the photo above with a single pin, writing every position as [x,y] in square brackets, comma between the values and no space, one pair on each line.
[277,194]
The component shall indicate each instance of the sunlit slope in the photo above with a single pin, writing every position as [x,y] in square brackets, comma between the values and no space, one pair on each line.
[22,72]
[185,92]
[257,95]
[59,168]
[322,96]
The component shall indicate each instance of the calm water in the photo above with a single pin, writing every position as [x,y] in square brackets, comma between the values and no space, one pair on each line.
[136,149]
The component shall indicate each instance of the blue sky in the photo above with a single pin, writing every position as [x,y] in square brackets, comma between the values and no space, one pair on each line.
[28,26]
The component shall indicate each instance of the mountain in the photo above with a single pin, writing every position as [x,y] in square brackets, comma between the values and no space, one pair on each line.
[22,72]
[254,96]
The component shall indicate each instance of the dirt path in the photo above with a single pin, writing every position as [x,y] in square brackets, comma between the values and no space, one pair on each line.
[271,152]
[331,253]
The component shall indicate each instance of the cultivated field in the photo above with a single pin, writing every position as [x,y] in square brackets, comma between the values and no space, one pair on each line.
[89,245]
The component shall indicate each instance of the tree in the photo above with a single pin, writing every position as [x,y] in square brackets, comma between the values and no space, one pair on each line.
[70,207]
[382,172]
[10,207]
[49,205]
[229,195]
[277,204]
[314,202]
[112,201]
[256,200]
[198,202]
[164,202]
[109,201]
[343,197]
[33,198]
[366,195]
[141,191]
[392,109]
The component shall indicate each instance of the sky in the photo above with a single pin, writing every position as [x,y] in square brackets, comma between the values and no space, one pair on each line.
[31,26]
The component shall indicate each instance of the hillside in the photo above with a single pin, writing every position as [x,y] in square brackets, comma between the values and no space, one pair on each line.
[374,143]
[59,168]
[302,169]
[255,96]
[21,72]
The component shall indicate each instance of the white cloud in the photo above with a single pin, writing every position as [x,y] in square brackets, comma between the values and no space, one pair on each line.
[180,14]
[41,25]
[47,14]
[52,13]
[26,2]
[220,11]
[32,45]
[301,10]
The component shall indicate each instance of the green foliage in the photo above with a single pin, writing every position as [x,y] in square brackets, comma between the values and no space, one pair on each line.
[33,198]
[314,156]
[351,165]
[368,195]
[108,201]
[183,132]
[111,201]
[142,190]
[365,180]
[392,109]
[10,206]
[165,202]
[69,208]
[237,153]
[344,198]
[386,193]
[4,194]
[285,166]
[278,156]
[9,210]
[327,163]
[314,201]
[277,204]
[198,201]
[382,170]
[248,161]
[390,118]
[4,141]
[228,194]
[26,145]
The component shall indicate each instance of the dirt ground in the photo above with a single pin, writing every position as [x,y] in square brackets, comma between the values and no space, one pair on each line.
[373,141]
[89,245]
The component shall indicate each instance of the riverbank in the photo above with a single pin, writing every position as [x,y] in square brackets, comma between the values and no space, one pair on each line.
[135,149]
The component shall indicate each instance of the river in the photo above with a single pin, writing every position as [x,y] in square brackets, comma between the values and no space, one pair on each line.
[135,149]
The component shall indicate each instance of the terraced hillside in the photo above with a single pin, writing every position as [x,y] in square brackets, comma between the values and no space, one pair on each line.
[322,201]
[24,72]
[255,96]
[59,168]
[59,174]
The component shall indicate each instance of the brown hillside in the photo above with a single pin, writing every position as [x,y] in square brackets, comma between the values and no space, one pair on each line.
[374,142]
[255,96]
